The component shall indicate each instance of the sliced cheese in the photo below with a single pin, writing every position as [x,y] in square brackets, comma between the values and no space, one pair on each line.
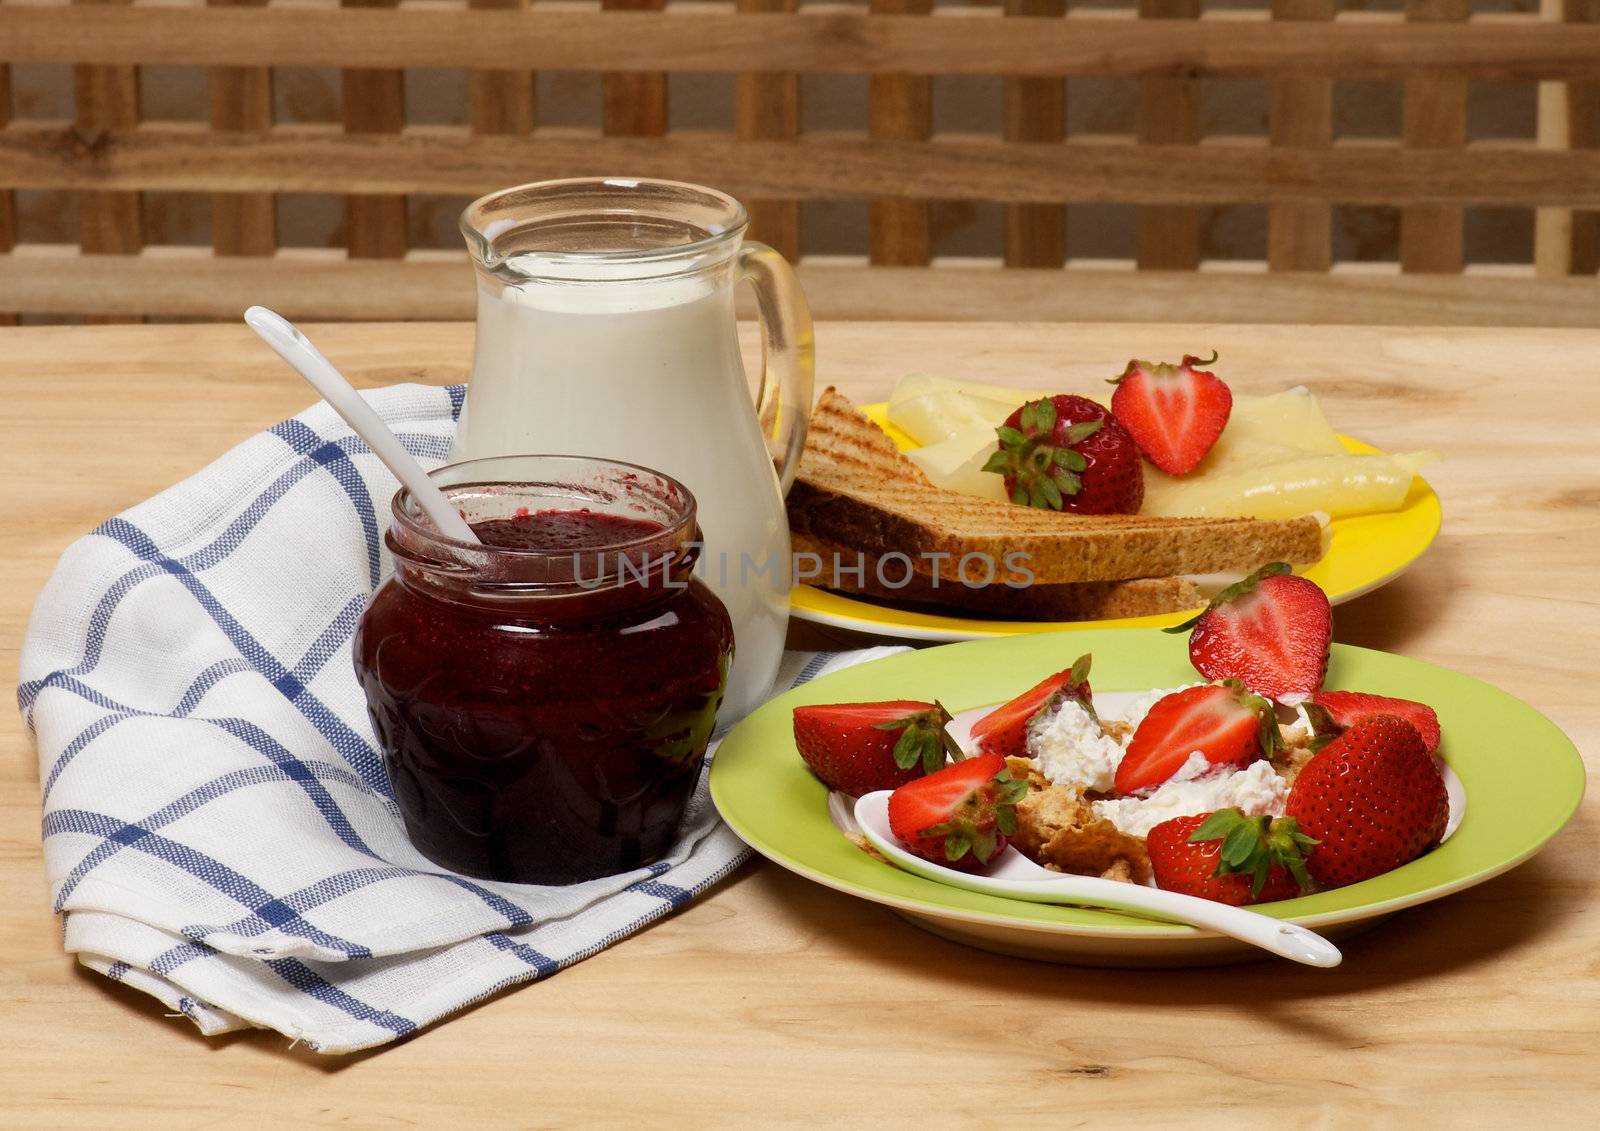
[956,464]
[932,409]
[1337,485]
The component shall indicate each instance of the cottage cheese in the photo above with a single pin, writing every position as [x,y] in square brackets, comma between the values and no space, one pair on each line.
[1071,750]
[1195,788]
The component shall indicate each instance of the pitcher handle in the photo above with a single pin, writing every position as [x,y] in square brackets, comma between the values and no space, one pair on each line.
[788,356]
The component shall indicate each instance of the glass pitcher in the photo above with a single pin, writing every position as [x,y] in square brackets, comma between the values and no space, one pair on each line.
[606,328]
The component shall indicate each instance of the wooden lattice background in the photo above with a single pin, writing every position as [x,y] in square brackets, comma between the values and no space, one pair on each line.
[1029,167]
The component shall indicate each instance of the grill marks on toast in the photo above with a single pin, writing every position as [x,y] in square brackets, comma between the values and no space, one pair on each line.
[844,447]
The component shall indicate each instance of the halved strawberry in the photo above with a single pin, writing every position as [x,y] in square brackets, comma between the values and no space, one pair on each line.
[959,816]
[1173,412]
[1223,722]
[1271,631]
[1004,730]
[860,747]
[1230,858]
[1340,710]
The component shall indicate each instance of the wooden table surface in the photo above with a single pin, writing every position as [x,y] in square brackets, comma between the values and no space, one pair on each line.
[776,1000]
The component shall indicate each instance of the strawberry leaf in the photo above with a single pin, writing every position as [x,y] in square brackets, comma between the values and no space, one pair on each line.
[984,844]
[1239,846]
[1081,431]
[1012,790]
[1216,826]
[947,744]
[923,739]
[1254,844]
[1039,417]
[1130,370]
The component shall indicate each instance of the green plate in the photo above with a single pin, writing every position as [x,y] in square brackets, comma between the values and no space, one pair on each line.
[1522,778]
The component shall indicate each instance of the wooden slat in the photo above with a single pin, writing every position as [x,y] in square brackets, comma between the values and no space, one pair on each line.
[1168,236]
[1435,118]
[1300,236]
[1583,133]
[818,166]
[8,202]
[1552,227]
[635,104]
[327,285]
[835,42]
[900,109]
[374,103]
[107,98]
[503,101]
[767,106]
[1036,113]
[241,99]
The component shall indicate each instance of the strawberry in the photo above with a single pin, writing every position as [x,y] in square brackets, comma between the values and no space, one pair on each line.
[959,816]
[1067,453]
[860,747]
[1271,631]
[1229,857]
[1173,412]
[1334,711]
[1373,799]
[1004,730]
[1222,721]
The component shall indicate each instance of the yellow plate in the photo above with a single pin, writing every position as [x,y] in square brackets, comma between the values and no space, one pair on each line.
[1364,552]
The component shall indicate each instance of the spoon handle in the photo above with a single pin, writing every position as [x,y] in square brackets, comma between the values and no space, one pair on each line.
[294,347]
[1287,939]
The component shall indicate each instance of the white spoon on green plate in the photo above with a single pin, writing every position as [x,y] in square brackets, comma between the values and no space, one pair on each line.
[1014,876]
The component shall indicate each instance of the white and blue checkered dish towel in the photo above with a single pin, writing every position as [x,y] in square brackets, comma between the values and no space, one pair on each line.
[218,826]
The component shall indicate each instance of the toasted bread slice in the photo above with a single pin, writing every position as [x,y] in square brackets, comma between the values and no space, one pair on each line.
[854,489]
[843,445]
[851,571]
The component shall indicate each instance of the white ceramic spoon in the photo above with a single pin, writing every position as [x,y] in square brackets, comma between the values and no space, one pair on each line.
[1015,876]
[294,347]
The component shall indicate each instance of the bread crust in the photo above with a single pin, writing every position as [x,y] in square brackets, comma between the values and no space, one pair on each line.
[871,576]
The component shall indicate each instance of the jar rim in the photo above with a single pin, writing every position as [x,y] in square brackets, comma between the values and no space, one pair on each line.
[676,505]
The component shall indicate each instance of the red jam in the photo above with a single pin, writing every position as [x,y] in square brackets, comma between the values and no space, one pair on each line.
[545,714]
[557,530]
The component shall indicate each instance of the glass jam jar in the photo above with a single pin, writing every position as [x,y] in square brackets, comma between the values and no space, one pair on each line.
[544,700]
